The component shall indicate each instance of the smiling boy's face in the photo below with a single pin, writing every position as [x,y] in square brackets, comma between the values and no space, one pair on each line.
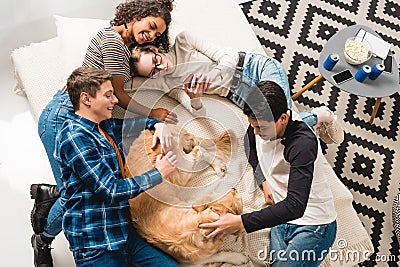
[102,105]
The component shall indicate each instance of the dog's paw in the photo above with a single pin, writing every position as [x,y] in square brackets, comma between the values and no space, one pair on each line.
[231,257]
[240,259]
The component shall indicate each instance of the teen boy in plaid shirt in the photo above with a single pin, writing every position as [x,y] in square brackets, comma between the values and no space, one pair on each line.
[94,194]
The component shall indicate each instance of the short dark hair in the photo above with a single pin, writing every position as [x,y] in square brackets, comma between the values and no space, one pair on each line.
[265,101]
[84,79]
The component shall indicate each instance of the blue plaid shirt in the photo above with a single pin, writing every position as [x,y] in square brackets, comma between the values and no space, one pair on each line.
[94,194]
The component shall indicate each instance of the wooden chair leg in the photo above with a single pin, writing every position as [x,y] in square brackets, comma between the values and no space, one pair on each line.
[308,86]
[375,110]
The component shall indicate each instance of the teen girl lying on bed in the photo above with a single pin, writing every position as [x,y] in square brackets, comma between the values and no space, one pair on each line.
[195,66]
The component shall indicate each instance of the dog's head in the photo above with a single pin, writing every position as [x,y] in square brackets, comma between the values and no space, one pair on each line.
[217,152]
[194,153]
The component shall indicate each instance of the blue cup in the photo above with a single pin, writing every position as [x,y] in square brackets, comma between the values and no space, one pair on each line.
[331,61]
[363,73]
[377,69]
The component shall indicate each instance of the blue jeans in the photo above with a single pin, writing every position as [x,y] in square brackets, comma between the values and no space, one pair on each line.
[258,68]
[301,245]
[137,252]
[96,257]
[50,122]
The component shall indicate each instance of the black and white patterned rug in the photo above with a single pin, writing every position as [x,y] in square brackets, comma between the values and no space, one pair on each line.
[294,32]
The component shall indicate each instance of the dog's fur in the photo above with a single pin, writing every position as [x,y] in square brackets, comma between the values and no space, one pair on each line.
[175,229]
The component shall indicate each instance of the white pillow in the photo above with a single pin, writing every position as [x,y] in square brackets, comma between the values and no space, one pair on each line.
[74,36]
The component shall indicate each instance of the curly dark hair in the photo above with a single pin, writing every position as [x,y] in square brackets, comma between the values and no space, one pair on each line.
[139,9]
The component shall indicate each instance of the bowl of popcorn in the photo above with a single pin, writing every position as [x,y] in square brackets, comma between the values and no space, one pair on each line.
[356,52]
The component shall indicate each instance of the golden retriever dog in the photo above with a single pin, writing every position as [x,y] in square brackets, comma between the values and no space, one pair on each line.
[159,215]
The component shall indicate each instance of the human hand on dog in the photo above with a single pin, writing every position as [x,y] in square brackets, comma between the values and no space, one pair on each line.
[166,164]
[227,224]
[163,134]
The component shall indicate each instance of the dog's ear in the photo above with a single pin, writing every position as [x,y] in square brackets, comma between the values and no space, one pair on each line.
[238,207]
[224,136]
[224,145]
[226,141]
[199,207]
[203,203]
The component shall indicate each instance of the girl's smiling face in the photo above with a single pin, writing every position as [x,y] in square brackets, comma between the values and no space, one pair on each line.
[147,29]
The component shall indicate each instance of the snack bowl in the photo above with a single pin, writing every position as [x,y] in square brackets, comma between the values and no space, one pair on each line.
[356,52]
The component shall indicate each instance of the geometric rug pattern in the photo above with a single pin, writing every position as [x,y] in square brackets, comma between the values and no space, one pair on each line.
[368,161]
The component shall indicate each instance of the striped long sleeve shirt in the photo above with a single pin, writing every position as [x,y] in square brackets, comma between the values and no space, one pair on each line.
[107,51]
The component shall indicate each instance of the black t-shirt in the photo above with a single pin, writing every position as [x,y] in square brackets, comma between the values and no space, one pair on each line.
[300,151]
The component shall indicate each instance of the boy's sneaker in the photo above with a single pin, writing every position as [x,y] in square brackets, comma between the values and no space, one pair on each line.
[329,132]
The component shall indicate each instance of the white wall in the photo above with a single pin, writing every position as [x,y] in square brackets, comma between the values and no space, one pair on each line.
[22,157]
[27,21]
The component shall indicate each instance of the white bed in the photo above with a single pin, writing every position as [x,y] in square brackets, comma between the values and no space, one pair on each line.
[41,68]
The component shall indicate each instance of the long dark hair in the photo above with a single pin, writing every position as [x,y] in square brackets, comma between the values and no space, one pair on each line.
[139,9]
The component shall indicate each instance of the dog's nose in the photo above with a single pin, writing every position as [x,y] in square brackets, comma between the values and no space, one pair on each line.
[234,189]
